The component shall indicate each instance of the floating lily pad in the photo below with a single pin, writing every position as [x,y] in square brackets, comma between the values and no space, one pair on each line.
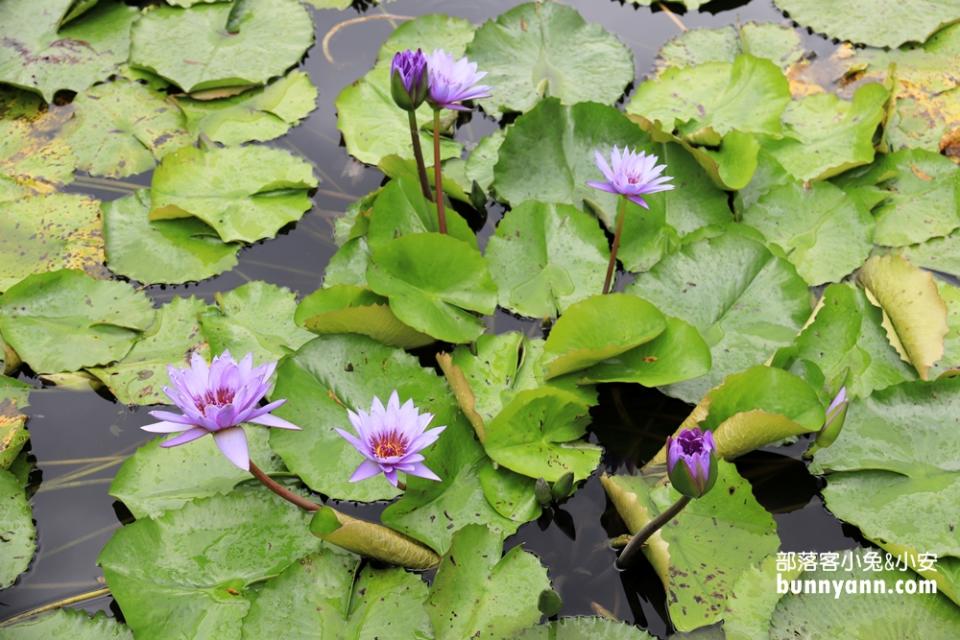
[140,376]
[154,480]
[825,233]
[476,593]
[825,136]
[32,159]
[67,624]
[878,23]
[915,315]
[745,302]
[937,254]
[914,194]
[254,318]
[260,114]
[584,629]
[546,257]
[700,554]
[193,49]
[244,193]
[433,282]
[120,128]
[19,535]
[190,571]
[479,164]
[539,435]
[548,155]
[65,320]
[163,251]
[536,50]
[13,429]
[36,54]
[400,209]
[893,465]
[951,342]
[775,42]
[46,233]
[351,309]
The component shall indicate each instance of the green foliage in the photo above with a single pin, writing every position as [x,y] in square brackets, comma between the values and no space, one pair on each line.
[19,534]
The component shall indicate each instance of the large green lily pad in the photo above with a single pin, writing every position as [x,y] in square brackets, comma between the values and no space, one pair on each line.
[33,159]
[244,193]
[46,233]
[19,538]
[190,571]
[121,128]
[775,42]
[584,629]
[545,257]
[193,49]
[65,320]
[36,54]
[400,208]
[745,301]
[536,50]
[67,624]
[878,23]
[162,251]
[140,376]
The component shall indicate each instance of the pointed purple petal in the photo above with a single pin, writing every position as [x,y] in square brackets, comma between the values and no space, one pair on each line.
[233,444]
[185,437]
[166,427]
[367,469]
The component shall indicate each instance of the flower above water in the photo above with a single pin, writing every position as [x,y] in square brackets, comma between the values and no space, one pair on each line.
[408,79]
[692,462]
[631,174]
[216,400]
[835,415]
[391,439]
[453,81]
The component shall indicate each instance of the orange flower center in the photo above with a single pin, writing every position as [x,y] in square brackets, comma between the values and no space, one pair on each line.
[217,398]
[389,444]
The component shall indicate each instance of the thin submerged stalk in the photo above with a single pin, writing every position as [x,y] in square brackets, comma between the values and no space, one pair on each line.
[438,177]
[636,543]
[612,265]
[418,155]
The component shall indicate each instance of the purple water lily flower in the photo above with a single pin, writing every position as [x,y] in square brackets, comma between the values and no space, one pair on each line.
[692,462]
[391,439]
[216,400]
[453,81]
[408,79]
[631,174]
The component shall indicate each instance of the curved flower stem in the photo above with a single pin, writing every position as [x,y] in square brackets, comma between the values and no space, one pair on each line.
[282,491]
[636,543]
[418,154]
[437,177]
[612,265]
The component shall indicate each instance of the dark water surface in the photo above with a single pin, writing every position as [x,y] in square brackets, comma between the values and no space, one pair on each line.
[79,438]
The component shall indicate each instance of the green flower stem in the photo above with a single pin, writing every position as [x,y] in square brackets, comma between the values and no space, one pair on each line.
[632,550]
[438,178]
[418,154]
[612,265]
[282,491]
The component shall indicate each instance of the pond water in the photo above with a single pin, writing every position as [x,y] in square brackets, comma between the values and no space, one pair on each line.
[79,438]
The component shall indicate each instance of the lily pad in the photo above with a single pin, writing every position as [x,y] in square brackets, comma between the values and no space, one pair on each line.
[140,376]
[538,434]
[244,193]
[545,257]
[65,320]
[893,466]
[478,594]
[878,23]
[400,209]
[825,136]
[350,309]
[254,318]
[19,536]
[67,624]
[189,572]
[745,302]
[433,282]
[536,50]
[260,114]
[937,254]
[163,251]
[33,160]
[585,629]
[700,554]
[915,315]
[775,42]
[825,233]
[120,128]
[46,233]
[193,49]
[37,54]
[914,194]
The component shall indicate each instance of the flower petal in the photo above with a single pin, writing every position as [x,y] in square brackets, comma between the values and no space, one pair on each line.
[167,427]
[233,444]
[421,471]
[367,469]
[185,437]
[270,420]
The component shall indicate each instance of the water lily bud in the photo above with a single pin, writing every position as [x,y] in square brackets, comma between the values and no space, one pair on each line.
[563,487]
[835,415]
[542,491]
[408,79]
[692,462]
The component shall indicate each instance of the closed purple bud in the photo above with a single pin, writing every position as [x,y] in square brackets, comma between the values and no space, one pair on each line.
[692,462]
[408,79]
[836,413]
